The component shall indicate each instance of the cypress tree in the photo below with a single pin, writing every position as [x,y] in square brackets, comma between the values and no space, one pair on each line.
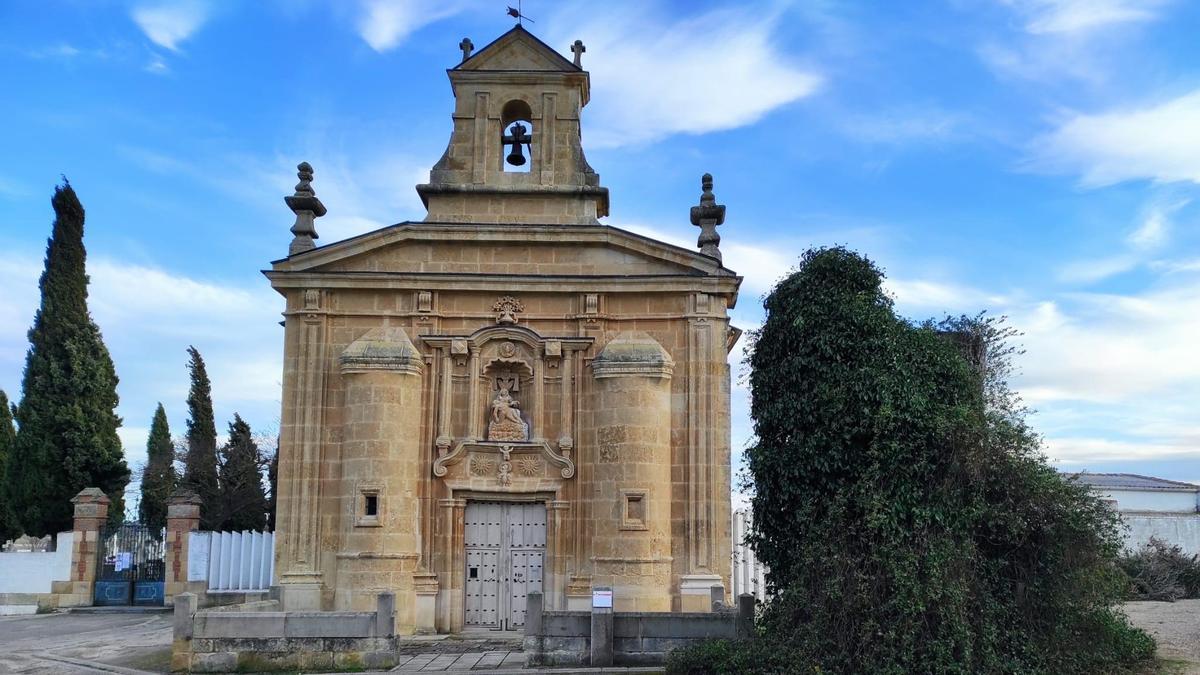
[273,480]
[242,497]
[8,436]
[200,461]
[67,425]
[158,476]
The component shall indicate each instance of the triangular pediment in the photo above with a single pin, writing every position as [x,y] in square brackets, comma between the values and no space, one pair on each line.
[472,249]
[518,50]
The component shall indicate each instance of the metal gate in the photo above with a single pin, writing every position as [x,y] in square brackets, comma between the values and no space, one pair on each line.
[129,566]
[506,546]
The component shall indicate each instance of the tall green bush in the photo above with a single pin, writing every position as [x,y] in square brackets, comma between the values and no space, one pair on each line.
[8,437]
[243,499]
[901,505]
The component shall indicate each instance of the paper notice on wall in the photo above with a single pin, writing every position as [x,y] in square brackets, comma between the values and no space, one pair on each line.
[602,598]
[197,563]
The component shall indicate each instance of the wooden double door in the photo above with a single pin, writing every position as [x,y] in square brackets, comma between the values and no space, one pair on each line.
[505,550]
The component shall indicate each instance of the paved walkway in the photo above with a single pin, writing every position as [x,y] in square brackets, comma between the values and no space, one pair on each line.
[496,663]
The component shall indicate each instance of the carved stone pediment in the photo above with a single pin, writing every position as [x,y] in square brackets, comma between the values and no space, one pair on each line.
[498,466]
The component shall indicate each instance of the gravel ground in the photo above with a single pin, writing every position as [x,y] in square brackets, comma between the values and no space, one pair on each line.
[1176,627]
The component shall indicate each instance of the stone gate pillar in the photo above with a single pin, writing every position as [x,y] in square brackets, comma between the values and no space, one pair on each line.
[630,490]
[183,517]
[380,467]
[91,512]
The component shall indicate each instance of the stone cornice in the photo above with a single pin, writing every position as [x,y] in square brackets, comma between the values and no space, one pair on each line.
[530,233]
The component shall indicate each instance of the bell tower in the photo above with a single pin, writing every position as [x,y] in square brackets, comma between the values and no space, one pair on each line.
[514,154]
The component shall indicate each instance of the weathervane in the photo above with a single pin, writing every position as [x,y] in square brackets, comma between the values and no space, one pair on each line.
[516,14]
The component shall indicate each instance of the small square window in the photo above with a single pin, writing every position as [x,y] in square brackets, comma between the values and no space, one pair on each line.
[634,504]
[369,507]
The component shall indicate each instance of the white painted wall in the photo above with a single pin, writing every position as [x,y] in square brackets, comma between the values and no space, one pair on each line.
[1151,500]
[1177,529]
[748,574]
[232,561]
[34,572]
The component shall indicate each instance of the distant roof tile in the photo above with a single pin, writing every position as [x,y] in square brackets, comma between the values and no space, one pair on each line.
[1131,481]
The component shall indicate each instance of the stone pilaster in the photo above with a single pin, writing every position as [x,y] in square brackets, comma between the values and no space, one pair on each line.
[91,512]
[183,517]
[301,438]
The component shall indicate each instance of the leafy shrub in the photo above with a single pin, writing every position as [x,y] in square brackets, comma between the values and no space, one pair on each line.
[1160,571]
[902,505]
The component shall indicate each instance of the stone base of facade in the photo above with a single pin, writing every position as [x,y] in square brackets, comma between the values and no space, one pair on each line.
[695,591]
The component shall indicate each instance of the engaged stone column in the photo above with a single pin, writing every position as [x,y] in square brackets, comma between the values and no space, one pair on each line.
[380,468]
[630,490]
[91,512]
[183,517]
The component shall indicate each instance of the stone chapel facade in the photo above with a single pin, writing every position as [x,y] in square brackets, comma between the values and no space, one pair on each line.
[507,396]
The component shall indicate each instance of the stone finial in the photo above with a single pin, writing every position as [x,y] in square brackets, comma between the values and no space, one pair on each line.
[707,216]
[307,207]
[467,48]
[578,49]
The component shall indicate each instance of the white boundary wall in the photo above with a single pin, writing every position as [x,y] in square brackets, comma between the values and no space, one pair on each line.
[748,574]
[23,572]
[1176,529]
[232,561]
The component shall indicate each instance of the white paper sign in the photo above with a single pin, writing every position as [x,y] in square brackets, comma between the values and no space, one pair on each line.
[197,564]
[602,598]
[123,562]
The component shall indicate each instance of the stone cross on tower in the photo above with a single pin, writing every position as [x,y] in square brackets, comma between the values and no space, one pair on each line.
[467,47]
[578,49]
[707,216]
[307,208]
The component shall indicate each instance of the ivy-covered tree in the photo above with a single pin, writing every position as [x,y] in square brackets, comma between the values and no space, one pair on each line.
[906,516]
[158,476]
[8,437]
[66,420]
[243,500]
[200,461]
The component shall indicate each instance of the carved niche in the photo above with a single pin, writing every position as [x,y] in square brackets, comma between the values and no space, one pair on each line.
[498,407]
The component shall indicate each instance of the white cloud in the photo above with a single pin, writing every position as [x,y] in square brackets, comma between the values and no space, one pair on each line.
[168,24]
[384,24]
[1155,229]
[148,317]
[903,124]
[1073,451]
[929,295]
[1070,16]
[1110,348]
[1158,142]
[652,78]
[1096,269]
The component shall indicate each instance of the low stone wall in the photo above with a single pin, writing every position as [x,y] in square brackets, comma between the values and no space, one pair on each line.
[558,638]
[27,578]
[221,640]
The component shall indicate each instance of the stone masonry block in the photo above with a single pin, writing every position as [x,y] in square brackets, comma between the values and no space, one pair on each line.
[329,624]
[234,625]
[214,662]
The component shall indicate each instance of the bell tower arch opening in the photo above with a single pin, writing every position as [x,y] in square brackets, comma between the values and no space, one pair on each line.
[516,121]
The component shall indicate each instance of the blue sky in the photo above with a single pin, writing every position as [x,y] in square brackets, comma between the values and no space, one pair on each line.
[1035,158]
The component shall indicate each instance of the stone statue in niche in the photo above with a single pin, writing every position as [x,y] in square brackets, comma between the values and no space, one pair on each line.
[506,423]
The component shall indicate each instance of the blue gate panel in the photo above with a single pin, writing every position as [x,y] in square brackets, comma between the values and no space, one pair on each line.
[112,593]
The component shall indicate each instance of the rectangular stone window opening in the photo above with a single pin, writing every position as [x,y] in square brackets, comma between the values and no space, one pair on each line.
[633,510]
[368,507]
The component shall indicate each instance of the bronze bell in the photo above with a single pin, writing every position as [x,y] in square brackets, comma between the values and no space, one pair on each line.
[518,137]
[516,157]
